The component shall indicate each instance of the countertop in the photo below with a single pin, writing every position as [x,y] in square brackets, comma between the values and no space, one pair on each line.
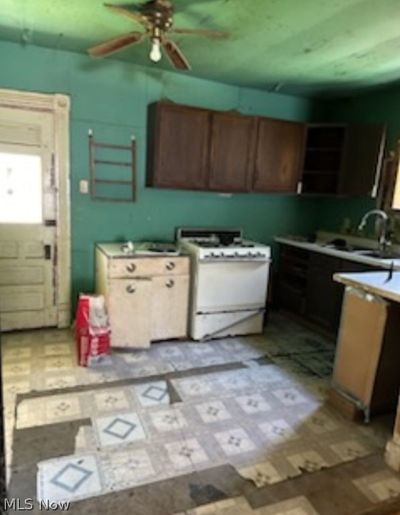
[323,247]
[373,282]
[115,251]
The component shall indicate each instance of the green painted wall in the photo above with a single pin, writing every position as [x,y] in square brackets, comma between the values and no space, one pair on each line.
[111,98]
[381,106]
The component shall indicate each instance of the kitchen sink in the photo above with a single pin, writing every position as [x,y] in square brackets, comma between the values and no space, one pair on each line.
[362,251]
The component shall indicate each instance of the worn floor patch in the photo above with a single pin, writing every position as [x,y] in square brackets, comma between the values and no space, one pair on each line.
[256,404]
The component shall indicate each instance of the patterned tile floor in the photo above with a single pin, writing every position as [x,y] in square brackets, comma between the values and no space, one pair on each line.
[265,415]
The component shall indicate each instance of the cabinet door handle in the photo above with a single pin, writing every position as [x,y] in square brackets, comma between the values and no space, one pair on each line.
[131,268]
[299,187]
[170,283]
[170,266]
[130,288]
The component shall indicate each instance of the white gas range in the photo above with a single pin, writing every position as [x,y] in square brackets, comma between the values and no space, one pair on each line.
[229,282]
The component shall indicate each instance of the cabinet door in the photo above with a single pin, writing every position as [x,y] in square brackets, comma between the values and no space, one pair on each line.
[232,152]
[129,306]
[362,160]
[278,156]
[178,146]
[170,307]
[359,346]
[323,299]
[291,281]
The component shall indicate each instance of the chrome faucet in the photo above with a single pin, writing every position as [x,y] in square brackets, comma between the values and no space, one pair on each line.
[382,239]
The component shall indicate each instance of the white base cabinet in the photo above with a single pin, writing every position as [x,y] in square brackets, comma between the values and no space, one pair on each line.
[147,297]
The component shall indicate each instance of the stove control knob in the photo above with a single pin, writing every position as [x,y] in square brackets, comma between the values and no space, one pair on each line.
[236,254]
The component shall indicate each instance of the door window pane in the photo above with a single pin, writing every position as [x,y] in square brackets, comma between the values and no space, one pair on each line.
[20,188]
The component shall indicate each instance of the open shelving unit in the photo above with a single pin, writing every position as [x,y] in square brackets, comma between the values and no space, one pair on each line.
[323,158]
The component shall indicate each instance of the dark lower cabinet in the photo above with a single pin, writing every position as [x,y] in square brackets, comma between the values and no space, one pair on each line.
[323,295]
[305,285]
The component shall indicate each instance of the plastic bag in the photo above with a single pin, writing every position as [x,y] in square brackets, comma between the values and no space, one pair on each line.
[92,330]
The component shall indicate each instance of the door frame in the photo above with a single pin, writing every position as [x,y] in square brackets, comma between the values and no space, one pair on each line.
[59,106]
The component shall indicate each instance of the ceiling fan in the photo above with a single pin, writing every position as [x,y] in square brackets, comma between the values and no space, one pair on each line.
[156,16]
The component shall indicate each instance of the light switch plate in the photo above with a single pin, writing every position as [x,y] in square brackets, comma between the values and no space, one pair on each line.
[84,187]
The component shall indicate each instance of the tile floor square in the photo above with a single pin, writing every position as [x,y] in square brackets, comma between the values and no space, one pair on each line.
[57,349]
[254,403]
[118,429]
[68,479]
[234,441]
[309,461]
[295,506]
[16,369]
[170,352]
[195,387]
[278,431]
[320,423]
[111,400]
[62,407]
[134,356]
[350,450]
[235,381]
[261,474]
[202,349]
[380,486]
[63,381]
[186,453]
[213,411]
[127,469]
[18,353]
[152,394]
[168,420]
[58,363]
[290,396]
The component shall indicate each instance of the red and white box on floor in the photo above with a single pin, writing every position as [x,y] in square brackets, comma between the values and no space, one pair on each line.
[92,330]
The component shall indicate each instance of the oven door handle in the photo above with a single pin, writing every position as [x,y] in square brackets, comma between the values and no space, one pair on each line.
[236,260]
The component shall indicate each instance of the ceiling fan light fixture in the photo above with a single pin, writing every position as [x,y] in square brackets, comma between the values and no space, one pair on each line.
[155,52]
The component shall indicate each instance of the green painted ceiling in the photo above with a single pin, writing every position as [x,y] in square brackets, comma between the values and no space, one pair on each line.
[307,47]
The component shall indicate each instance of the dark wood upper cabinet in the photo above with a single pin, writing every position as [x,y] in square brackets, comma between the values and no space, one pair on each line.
[178,146]
[199,149]
[279,151]
[231,152]
[363,155]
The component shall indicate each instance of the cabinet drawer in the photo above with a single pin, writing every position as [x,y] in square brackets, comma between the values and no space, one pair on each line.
[143,267]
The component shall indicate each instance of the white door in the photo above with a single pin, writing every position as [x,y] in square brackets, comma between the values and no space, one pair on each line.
[28,220]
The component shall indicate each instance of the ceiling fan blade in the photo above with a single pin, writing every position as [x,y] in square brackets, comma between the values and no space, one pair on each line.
[201,32]
[175,55]
[116,44]
[133,15]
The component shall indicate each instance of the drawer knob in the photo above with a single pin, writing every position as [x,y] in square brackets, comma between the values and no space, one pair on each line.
[131,268]
[170,283]
[170,265]
[130,288]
